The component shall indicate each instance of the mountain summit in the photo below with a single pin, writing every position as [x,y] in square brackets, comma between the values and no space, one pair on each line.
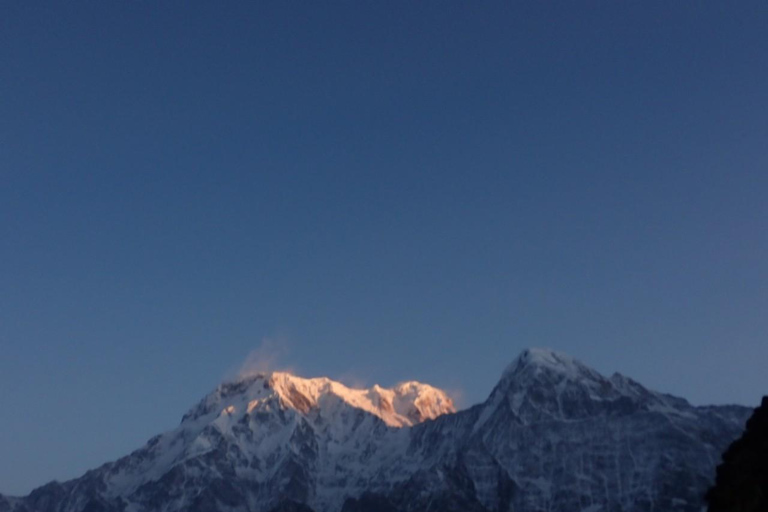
[534,364]
[542,384]
[406,404]
[553,435]
[545,358]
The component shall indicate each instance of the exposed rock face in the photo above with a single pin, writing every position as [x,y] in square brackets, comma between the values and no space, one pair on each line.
[742,478]
[553,435]
[556,435]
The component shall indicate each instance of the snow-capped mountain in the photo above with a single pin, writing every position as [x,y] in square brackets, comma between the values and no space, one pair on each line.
[553,435]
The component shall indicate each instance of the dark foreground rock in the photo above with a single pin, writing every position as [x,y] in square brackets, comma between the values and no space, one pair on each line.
[742,478]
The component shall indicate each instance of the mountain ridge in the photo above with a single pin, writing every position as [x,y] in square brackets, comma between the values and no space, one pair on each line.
[404,404]
[553,434]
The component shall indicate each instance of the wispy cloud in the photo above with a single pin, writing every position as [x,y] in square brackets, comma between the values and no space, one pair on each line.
[352,379]
[269,356]
[457,396]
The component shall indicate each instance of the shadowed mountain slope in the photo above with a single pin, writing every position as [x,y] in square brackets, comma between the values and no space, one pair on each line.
[554,435]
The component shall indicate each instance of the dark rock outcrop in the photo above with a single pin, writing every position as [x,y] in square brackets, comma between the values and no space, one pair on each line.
[742,478]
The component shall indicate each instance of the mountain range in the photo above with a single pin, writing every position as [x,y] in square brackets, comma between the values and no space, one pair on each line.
[554,435]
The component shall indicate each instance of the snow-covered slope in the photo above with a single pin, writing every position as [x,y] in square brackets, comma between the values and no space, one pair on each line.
[556,435]
[404,405]
[553,435]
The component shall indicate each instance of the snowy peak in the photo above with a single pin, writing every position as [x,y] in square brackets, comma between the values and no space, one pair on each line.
[545,385]
[420,402]
[404,405]
[537,360]
[554,435]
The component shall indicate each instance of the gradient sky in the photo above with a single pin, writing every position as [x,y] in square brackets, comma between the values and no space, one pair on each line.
[381,191]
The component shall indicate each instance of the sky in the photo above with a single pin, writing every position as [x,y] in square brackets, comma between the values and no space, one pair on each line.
[374,192]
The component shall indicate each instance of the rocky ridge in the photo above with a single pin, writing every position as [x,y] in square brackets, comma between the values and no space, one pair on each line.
[554,435]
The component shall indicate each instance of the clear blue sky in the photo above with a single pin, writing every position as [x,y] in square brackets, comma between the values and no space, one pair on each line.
[386,191]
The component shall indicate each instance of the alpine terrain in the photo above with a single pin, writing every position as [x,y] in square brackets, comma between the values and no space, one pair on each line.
[554,435]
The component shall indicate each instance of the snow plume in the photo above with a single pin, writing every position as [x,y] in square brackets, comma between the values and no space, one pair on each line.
[269,356]
[352,379]
[457,396]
